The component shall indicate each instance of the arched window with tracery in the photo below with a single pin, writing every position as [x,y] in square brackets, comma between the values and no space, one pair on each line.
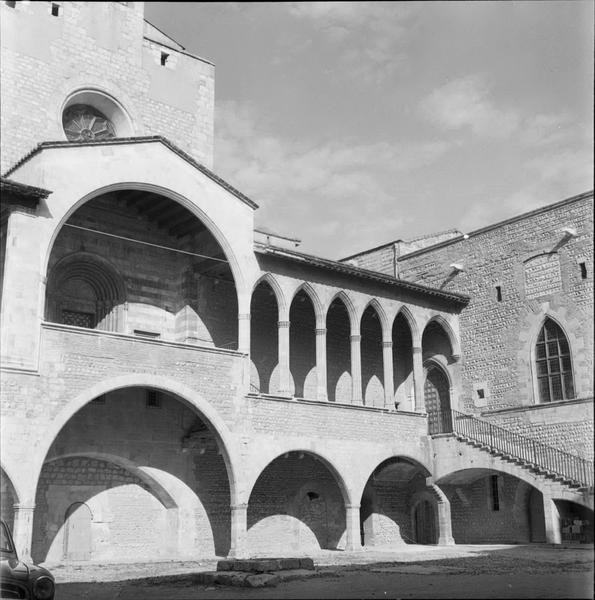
[554,364]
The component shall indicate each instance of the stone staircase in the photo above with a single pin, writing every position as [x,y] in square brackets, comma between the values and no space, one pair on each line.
[527,453]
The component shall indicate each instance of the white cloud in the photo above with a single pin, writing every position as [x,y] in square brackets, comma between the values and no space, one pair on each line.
[465,103]
[317,186]
[371,35]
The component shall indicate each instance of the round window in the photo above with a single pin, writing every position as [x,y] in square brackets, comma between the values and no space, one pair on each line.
[82,122]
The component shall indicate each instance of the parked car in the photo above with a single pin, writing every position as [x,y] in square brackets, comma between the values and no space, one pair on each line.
[18,579]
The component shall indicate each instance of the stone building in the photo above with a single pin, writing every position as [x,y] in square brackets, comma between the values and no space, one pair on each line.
[177,384]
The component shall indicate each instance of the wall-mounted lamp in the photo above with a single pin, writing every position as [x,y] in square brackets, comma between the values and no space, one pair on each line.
[569,231]
[457,267]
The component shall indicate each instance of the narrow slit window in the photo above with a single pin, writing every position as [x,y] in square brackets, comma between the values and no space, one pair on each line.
[499,293]
[164,57]
[55,10]
[153,400]
[583,267]
[495,493]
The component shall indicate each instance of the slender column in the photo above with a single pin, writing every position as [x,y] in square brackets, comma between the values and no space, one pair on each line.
[387,362]
[22,532]
[418,380]
[553,534]
[321,393]
[239,531]
[353,539]
[244,332]
[356,369]
[284,379]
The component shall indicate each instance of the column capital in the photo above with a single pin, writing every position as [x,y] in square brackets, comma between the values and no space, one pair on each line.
[387,344]
[283,324]
[456,357]
[417,349]
[352,506]
[21,506]
[244,316]
[321,331]
[355,337]
[240,506]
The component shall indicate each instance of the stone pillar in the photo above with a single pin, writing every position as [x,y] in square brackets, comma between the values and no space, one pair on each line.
[444,523]
[389,384]
[284,374]
[244,332]
[239,531]
[418,380]
[321,393]
[553,533]
[353,540]
[356,369]
[23,530]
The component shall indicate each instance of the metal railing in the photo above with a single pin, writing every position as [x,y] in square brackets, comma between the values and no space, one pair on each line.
[570,467]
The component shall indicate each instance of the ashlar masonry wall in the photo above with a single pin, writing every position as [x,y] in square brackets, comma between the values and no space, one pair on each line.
[99,46]
[518,273]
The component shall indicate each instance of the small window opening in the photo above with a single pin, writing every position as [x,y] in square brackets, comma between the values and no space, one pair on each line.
[313,495]
[55,10]
[153,400]
[99,399]
[11,4]
[583,267]
[499,293]
[495,494]
[481,394]
[164,57]
[147,334]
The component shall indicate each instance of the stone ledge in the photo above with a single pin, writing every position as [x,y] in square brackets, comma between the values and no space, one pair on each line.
[265,565]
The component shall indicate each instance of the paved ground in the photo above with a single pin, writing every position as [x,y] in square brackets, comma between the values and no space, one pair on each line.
[534,571]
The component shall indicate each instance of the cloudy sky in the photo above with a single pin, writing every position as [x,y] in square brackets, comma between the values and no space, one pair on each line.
[354,124]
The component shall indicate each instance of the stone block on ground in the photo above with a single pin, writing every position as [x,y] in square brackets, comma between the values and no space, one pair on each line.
[262,580]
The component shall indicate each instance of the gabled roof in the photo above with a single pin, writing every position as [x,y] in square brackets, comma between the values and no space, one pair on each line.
[459,300]
[8,186]
[136,140]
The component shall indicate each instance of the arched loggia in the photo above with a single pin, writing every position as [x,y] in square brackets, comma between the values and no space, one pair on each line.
[338,352]
[149,253]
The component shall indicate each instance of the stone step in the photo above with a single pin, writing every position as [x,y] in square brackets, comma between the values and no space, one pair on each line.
[251,579]
[265,565]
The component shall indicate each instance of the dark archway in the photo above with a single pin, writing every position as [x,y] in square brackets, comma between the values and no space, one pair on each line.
[264,337]
[387,502]
[372,361]
[152,473]
[338,353]
[403,363]
[437,400]
[302,345]
[296,506]
[425,523]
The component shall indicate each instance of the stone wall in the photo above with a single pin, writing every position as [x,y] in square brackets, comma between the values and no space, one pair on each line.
[98,46]
[498,335]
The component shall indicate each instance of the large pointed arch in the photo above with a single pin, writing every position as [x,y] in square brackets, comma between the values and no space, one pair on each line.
[455,347]
[382,316]
[311,292]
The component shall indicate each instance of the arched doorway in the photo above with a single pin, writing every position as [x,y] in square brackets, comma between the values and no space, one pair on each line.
[425,523]
[437,400]
[77,532]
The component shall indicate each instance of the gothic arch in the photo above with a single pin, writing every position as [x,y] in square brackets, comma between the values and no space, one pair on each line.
[348,303]
[269,278]
[311,292]
[100,276]
[412,323]
[384,323]
[455,348]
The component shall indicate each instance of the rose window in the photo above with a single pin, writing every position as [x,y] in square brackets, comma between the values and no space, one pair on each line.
[83,123]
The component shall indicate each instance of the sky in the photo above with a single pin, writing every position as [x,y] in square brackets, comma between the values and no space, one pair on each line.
[352,124]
